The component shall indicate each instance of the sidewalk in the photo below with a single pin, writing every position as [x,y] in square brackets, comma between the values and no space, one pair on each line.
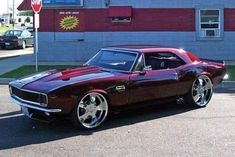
[10,64]
[16,62]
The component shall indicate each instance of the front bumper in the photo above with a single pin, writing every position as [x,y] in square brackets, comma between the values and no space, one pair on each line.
[36,112]
[31,106]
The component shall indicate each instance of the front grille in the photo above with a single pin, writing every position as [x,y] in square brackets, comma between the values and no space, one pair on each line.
[29,96]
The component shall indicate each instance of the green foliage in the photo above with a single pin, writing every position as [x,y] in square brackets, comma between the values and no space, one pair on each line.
[19,20]
[27,20]
[231,72]
[26,13]
[29,69]
[4,29]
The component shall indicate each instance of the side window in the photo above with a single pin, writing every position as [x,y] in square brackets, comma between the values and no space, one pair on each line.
[140,64]
[27,34]
[24,34]
[163,60]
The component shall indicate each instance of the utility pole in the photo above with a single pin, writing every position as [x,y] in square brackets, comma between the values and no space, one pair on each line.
[13,20]
[8,14]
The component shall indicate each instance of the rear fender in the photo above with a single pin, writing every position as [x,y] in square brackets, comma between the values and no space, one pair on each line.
[208,74]
[214,62]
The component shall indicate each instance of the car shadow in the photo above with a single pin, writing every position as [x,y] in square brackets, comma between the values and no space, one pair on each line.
[12,48]
[9,48]
[18,131]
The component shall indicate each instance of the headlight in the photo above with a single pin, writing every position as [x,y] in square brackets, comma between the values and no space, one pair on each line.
[43,99]
[226,77]
[10,90]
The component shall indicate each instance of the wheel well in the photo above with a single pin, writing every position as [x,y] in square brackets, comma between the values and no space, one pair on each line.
[208,75]
[102,92]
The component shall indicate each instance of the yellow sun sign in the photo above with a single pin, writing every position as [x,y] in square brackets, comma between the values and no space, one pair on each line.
[69,22]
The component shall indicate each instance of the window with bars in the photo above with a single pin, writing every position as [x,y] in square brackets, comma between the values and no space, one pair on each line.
[209,23]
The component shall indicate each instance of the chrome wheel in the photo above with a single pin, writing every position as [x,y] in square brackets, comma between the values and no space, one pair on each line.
[202,90]
[92,110]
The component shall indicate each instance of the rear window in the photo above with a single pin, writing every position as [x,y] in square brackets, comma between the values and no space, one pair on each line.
[192,57]
[162,60]
[13,33]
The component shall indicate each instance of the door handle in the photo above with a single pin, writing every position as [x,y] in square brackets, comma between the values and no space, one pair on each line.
[120,88]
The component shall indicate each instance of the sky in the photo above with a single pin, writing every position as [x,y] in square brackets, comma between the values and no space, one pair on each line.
[3,5]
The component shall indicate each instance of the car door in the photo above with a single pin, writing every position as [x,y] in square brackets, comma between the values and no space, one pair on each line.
[156,82]
[28,38]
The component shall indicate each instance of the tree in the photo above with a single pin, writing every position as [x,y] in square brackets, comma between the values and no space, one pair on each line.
[27,20]
[26,13]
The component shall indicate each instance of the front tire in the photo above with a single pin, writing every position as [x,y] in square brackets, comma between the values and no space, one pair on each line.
[201,92]
[91,111]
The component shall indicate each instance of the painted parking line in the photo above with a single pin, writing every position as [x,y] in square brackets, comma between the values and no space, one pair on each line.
[12,116]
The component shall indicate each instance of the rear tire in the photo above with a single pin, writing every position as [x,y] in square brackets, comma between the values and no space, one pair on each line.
[23,46]
[200,92]
[91,111]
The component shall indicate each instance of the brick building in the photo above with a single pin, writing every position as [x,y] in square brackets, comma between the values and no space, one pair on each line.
[77,29]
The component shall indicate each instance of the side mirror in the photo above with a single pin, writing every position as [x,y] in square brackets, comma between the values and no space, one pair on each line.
[145,69]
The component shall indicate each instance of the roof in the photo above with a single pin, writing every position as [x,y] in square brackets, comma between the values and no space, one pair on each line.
[150,49]
[139,48]
[25,5]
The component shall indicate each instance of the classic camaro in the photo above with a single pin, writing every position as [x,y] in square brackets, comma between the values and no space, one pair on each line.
[117,78]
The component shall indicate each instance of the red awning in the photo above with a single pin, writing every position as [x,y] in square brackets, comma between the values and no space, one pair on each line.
[25,5]
[120,11]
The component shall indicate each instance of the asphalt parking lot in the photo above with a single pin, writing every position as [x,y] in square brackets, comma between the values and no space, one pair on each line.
[166,130]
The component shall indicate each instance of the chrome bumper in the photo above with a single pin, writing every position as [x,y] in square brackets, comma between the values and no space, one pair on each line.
[15,100]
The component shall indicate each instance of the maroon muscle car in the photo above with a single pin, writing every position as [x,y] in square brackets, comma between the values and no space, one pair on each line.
[117,78]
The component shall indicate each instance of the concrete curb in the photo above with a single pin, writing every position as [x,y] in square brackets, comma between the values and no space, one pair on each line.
[226,84]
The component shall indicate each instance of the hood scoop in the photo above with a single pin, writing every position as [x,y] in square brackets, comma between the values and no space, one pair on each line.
[67,74]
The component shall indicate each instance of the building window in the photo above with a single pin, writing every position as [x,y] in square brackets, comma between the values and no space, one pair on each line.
[62,3]
[210,23]
[121,19]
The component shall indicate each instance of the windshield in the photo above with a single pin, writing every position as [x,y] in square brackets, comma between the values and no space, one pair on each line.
[115,60]
[13,33]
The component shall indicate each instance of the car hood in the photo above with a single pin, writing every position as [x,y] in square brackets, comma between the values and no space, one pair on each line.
[54,79]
